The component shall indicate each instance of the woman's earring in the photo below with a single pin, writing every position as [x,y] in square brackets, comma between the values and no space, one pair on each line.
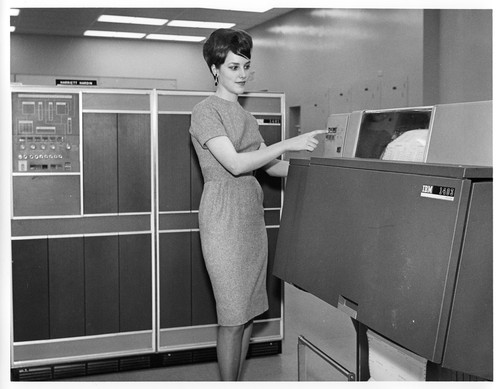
[216,79]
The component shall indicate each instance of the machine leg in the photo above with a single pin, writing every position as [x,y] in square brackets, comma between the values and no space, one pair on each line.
[362,368]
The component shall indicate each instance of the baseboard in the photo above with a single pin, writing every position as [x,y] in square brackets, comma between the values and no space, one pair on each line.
[87,368]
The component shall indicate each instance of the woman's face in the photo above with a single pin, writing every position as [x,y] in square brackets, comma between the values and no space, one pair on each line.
[233,75]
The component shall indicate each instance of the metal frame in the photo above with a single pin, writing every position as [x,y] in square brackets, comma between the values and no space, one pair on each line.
[302,344]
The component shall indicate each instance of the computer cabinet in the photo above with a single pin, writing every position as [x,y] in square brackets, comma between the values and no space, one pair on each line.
[405,249]
[82,225]
[189,320]
[106,255]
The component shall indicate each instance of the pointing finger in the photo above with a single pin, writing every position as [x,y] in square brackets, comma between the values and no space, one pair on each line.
[318,132]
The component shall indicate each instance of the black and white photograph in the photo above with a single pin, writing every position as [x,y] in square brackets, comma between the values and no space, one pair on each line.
[279,193]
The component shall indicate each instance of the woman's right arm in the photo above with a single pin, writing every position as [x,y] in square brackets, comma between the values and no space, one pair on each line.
[239,163]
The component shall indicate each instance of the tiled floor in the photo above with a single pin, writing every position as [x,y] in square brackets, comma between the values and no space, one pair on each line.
[326,327]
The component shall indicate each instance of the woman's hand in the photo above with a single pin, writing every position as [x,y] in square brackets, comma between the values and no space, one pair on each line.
[305,141]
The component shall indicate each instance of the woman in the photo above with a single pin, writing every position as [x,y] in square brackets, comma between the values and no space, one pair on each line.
[231,216]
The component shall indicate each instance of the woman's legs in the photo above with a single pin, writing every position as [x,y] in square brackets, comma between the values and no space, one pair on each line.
[232,348]
[229,351]
[247,333]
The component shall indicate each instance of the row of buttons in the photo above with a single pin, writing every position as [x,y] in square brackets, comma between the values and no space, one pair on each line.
[39,156]
[43,147]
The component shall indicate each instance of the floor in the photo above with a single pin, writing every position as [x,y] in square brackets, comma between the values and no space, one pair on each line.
[326,327]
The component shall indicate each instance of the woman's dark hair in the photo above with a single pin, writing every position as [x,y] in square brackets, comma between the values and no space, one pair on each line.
[224,40]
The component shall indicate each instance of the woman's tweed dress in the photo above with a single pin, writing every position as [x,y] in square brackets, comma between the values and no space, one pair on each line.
[231,216]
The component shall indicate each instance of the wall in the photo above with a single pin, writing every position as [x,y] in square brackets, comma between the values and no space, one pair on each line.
[458,51]
[438,56]
[431,57]
[466,68]
[309,51]
[64,56]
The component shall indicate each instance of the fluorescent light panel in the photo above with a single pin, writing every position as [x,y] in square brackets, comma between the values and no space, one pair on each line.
[114,34]
[243,8]
[12,29]
[14,12]
[197,24]
[182,38]
[132,20]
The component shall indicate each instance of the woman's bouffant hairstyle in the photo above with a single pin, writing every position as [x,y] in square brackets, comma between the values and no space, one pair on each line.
[224,40]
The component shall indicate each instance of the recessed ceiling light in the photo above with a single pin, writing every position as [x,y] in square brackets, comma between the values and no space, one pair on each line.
[14,12]
[197,24]
[182,38]
[131,20]
[114,34]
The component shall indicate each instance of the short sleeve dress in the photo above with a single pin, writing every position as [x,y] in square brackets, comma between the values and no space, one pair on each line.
[231,214]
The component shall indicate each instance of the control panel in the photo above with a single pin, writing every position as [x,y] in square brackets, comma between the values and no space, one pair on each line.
[334,142]
[45,132]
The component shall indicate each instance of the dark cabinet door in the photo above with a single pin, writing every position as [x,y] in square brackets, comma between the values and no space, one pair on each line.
[135,282]
[271,186]
[134,163]
[30,289]
[273,283]
[100,163]
[175,279]
[102,297]
[66,287]
[196,181]
[203,301]
[174,162]
[117,163]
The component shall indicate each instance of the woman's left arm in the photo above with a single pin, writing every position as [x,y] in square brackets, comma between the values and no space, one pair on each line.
[277,167]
